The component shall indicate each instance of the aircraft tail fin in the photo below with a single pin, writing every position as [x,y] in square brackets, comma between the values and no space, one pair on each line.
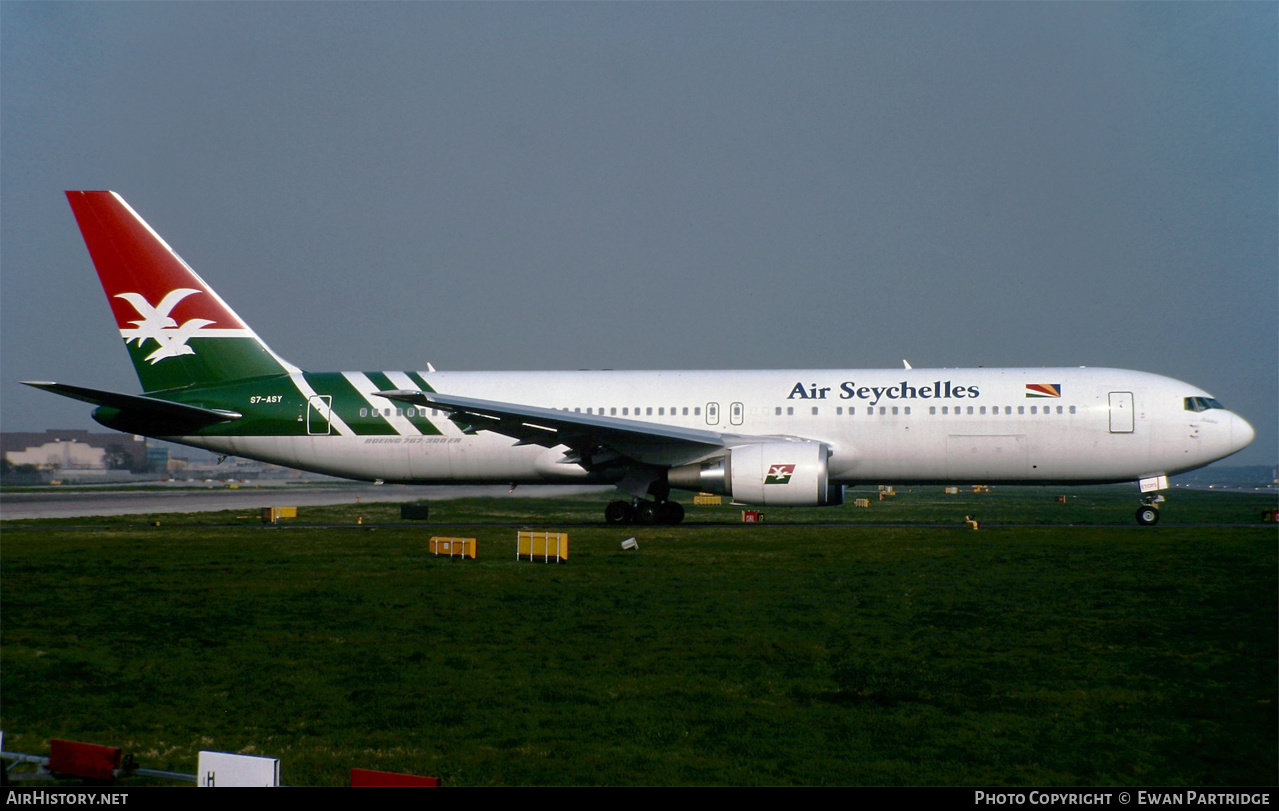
[177,330]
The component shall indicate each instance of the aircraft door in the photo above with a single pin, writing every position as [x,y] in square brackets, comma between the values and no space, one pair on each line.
[735,413]
[318,408]
[712,413]
[1121,412]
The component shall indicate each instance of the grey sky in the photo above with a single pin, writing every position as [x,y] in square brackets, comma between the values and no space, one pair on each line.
[658,185]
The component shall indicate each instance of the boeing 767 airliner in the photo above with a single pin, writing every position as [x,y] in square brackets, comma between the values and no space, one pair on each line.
[793,437]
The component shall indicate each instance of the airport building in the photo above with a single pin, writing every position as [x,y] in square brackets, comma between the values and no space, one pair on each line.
[77,450]
[67,456]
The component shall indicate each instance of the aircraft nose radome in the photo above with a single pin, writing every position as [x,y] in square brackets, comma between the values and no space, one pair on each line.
[1241,434]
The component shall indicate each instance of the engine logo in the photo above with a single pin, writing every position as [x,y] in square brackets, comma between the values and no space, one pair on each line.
[779,474]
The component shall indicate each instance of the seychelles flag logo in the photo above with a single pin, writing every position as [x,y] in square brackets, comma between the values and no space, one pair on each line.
[779,474]
[1043,389]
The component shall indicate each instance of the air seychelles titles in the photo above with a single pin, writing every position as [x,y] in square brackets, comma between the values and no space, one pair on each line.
[849,390]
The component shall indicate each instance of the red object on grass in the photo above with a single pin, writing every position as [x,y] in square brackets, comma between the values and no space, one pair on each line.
[368,777]
[86,760]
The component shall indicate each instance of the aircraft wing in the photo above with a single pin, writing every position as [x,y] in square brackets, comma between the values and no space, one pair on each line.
[594,439]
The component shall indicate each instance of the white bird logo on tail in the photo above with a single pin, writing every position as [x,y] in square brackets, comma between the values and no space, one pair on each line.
[158,325]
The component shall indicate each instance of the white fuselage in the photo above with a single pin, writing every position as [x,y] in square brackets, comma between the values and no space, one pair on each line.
[1061,425]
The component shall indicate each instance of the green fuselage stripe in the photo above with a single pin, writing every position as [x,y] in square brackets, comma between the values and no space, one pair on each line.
[273,406]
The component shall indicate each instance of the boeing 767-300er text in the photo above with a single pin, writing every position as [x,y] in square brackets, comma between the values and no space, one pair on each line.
[792,437]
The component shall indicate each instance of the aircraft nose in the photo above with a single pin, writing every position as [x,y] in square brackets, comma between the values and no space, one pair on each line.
[1241,433]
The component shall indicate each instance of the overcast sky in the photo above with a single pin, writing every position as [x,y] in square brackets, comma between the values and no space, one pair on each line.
[658,185]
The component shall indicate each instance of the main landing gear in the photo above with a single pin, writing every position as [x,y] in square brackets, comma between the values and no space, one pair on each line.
[644,512]
[1148,512]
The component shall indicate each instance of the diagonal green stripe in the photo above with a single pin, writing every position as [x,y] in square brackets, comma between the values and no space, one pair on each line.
[347,403]
[417,378]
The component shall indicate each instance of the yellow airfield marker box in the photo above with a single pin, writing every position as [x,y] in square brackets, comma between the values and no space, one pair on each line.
[459,547]
[543,546]
[272,514]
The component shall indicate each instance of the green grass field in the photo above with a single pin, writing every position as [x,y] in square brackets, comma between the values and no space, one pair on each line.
[716,653]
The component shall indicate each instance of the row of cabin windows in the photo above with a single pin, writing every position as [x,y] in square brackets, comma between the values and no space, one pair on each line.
[626,411]
[870,410]
[646,412]
[960,410]
[790,411]
[399,412]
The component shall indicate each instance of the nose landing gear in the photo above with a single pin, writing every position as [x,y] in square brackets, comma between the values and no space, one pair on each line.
[1148,512]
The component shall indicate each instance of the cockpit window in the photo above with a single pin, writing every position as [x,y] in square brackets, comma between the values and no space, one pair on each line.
[1201,403]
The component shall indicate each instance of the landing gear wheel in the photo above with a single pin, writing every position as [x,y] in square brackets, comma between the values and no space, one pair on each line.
[670,512]
[1147,516]
[646,512]
[619,512]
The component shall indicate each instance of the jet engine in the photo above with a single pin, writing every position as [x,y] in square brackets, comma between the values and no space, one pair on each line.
[771,473]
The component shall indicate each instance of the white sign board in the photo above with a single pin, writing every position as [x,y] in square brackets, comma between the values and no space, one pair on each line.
[218,769]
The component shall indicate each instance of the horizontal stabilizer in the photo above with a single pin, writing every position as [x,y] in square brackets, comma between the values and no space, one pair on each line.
[141,406]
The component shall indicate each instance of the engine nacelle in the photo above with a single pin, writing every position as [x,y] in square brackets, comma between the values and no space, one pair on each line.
[771,473]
